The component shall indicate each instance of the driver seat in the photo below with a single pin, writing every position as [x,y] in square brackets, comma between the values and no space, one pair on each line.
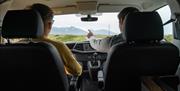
[29,66]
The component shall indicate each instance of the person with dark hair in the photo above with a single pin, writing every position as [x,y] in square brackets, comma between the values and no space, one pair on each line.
[103,45]
[72,67]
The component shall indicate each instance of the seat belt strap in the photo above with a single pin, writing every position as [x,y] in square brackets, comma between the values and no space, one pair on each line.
[165,86]
[151,85]
[169,21]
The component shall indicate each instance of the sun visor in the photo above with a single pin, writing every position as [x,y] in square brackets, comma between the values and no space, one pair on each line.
[87,7]
[115,8]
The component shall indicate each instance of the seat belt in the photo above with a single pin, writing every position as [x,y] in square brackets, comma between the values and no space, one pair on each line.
[151,85]
[165,86]
[169,21]
[170,83]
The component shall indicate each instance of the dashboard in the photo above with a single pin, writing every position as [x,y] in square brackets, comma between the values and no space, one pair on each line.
[84,53]
[81,46]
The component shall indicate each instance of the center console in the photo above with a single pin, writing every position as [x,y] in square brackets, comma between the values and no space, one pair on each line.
[94,66]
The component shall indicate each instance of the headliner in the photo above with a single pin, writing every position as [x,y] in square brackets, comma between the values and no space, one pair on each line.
[71,6]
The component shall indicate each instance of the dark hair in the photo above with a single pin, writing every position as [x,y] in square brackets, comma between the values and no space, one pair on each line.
[45,11]
[126,11]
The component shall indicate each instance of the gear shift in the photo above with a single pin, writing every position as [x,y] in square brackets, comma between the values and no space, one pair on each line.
[93,66]
[95,61]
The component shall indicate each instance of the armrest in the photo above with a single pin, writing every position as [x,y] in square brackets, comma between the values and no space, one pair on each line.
[100,79]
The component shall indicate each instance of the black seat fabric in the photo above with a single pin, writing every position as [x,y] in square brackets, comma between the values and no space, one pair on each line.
[22,24]
[143,27]
[32,66]
[142,54]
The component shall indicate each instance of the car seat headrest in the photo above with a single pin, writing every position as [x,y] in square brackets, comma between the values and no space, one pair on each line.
[143,26]
[22,24]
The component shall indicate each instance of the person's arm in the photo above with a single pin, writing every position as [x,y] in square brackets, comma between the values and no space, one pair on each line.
[71,64]
[101,45]
[72,67]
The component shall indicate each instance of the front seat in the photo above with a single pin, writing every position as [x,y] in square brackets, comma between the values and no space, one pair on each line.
[33,66]
[142,54]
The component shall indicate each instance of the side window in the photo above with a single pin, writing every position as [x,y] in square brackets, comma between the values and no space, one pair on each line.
[165,14]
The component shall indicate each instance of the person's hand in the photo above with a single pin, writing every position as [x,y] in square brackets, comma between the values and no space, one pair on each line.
[90,34]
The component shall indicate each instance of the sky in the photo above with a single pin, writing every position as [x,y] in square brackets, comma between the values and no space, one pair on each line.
[165,14]
[108,21]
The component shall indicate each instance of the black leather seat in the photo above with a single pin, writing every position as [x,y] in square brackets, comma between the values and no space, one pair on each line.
[142,54]
[29,66]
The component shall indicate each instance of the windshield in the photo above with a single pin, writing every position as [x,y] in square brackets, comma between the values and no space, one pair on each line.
[70,28]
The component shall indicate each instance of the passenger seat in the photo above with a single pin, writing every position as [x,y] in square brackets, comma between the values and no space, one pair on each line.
[142,54]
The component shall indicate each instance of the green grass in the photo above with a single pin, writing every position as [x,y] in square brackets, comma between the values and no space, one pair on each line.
[79,38]
[68,38]
[169,38]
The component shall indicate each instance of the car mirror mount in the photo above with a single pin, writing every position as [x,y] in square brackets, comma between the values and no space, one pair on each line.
[89,18]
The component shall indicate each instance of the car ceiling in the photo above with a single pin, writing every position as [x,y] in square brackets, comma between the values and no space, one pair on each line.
[71,6]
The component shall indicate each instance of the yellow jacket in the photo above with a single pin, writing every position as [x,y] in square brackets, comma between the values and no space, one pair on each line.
[72,67]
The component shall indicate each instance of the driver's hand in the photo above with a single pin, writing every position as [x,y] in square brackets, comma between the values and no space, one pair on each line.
[90,34]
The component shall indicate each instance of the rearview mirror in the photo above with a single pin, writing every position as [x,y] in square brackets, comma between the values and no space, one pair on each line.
[89,18]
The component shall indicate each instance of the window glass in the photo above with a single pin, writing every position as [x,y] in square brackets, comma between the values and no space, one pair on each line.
[165,14]
[70,28]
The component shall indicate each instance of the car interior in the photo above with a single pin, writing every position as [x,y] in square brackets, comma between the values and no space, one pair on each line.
[146,61]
